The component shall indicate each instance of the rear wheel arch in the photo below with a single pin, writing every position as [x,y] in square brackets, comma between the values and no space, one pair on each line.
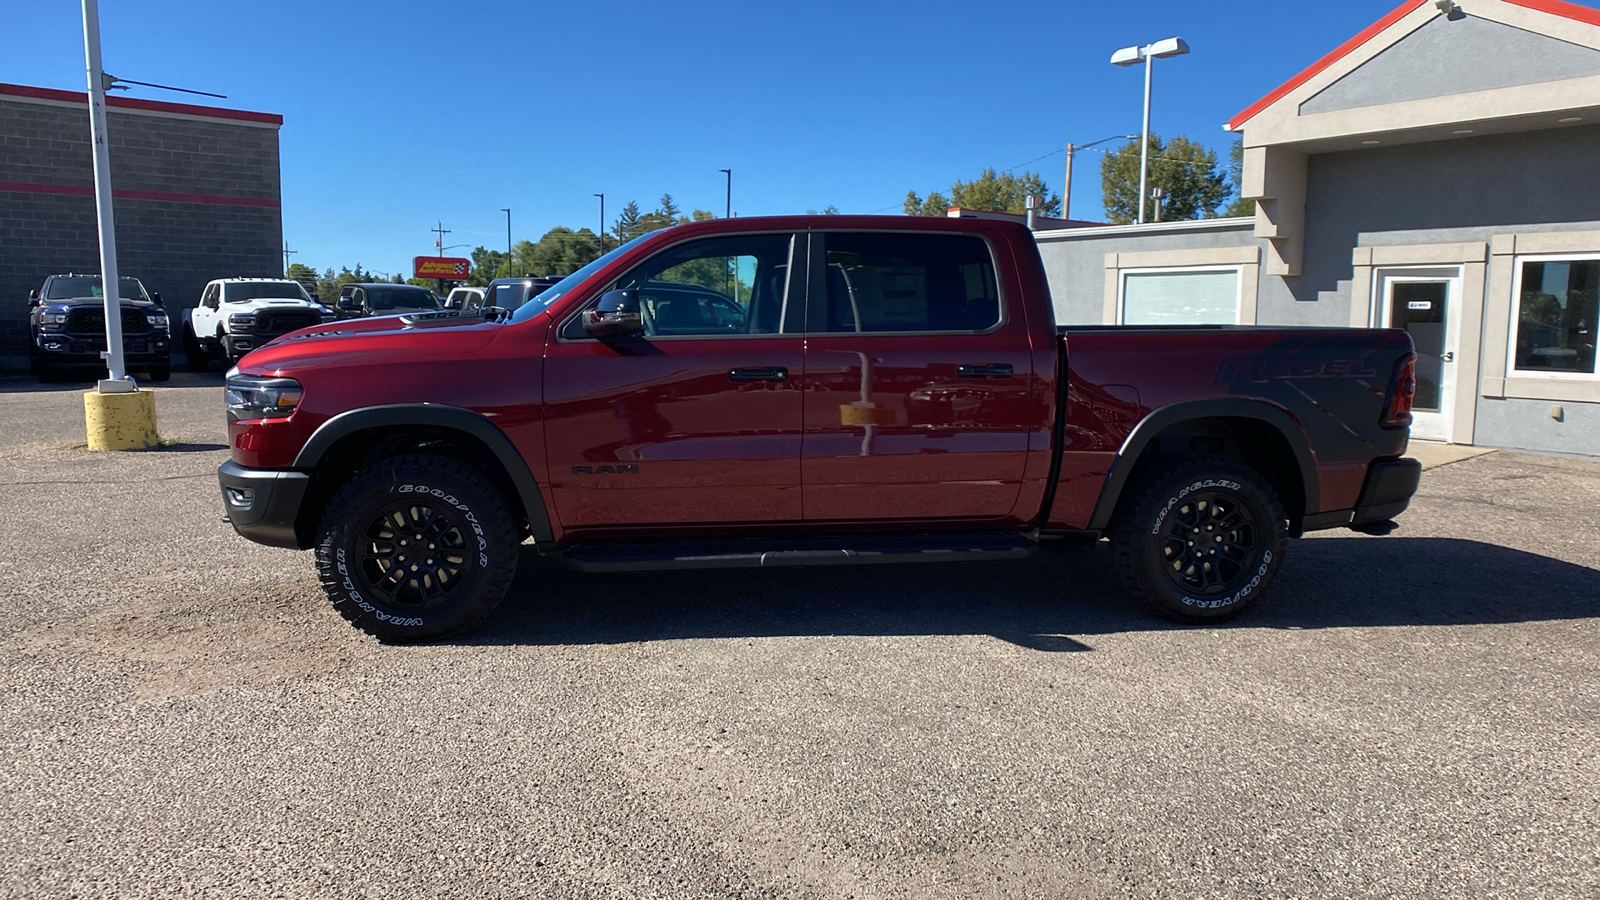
[1254,432]
[353,440]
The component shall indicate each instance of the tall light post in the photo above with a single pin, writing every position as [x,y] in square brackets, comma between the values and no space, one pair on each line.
[1066,193]
[509,270]
[602,222]
[111,287]
[1129,56]
[727,211]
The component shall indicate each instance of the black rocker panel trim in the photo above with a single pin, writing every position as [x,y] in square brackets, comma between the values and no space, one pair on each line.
[439,416]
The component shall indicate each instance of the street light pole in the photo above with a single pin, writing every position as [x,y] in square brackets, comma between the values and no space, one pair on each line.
[112,293]
[509,270]
[727,212]
[1147,54]
[602,222]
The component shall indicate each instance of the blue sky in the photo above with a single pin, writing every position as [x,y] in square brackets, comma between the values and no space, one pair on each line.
[399,114]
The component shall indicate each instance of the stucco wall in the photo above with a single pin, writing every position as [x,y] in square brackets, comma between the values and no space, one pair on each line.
[1075,260]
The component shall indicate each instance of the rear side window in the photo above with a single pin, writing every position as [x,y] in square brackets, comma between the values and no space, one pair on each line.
[908,282]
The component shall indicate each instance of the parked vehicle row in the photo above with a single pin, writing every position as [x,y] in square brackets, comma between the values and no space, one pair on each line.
[237,315]
[806,391]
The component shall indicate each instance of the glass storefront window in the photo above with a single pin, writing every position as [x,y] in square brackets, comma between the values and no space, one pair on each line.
[1193,297]
[1556,316]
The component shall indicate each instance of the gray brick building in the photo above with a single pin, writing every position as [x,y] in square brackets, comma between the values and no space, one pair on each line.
[195,190]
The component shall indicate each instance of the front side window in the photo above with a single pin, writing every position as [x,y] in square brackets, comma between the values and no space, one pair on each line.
[724,286]
[1556,318]
[908,282]
[1181,297]
[400,297]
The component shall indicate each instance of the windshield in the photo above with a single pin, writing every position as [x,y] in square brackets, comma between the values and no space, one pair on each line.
[401,297]
[554,292]
[73,287]
[264,290]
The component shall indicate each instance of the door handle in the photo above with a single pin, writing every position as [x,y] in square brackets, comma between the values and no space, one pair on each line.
[770,373]
[992,370]
[1448,356]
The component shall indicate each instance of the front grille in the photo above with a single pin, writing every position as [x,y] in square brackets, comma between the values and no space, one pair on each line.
[286,320]
[93,319]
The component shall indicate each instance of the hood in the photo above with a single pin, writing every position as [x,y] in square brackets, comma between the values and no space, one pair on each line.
[100,301]
[378,335]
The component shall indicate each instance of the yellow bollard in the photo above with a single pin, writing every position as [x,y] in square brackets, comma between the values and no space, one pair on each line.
[125,421]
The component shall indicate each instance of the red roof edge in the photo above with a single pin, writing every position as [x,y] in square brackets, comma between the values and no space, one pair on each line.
[1341,52]
[1585,14]
[209,112]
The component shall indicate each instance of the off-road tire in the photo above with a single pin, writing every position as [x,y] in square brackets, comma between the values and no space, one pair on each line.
[463,563]
[161,373]
[1200,539]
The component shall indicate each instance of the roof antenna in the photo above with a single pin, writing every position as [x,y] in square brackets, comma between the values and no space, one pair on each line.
[113,83]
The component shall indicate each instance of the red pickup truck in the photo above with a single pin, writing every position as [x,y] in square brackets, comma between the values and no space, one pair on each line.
[805,391]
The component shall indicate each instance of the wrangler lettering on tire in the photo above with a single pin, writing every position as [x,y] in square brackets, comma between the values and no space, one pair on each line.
[416,548]
[1201,538]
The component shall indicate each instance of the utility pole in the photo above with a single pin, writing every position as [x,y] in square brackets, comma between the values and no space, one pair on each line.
[602,222]
[286,254]
[1066,192]
[439,242]
[728,208]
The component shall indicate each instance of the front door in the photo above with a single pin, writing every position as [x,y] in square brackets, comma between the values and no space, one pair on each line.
[918,385]
[696,420]
[1425,302]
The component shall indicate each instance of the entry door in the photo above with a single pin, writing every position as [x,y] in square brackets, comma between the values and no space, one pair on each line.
[917,398]
[695,420]
[1426,303]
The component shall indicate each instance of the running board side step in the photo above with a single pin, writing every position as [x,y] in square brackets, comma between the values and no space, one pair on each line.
[797,552]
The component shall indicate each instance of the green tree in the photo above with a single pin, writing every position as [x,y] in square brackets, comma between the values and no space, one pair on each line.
[1239,206]
[304,274]
[1189,173]
[486,266]
[627,226]
[994,191]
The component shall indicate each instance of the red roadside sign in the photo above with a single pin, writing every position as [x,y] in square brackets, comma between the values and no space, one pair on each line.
[450,268]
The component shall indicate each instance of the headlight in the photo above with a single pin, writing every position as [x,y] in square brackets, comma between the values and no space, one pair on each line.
[241,320]
[53,320]
[158,320]
[251,397]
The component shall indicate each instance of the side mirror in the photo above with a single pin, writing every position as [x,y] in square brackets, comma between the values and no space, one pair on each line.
[348,303]
[33,299]
[155,297]
[211,304]
[616,314]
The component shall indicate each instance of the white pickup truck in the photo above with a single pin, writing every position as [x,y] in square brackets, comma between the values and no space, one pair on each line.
[237,315]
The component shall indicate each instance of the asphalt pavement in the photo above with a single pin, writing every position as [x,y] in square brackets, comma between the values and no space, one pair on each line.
[1413,715]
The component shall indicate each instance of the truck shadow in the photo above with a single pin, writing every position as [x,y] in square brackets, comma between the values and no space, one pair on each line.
[1048,603]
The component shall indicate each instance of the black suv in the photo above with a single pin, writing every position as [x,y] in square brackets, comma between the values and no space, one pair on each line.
[67,327]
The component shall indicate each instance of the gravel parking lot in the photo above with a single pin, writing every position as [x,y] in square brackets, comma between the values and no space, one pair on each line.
[1412,715]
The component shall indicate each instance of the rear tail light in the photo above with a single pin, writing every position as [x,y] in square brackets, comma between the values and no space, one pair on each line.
[1402,390]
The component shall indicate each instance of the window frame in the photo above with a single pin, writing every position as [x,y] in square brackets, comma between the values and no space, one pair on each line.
[816,312]
[1511,371]
[794,289]
[1238,292]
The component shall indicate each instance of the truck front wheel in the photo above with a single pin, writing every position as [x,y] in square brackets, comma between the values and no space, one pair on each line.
[416,548]
[1201,538]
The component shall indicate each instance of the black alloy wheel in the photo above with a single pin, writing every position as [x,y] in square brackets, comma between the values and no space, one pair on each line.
[416,554]
[1210,538]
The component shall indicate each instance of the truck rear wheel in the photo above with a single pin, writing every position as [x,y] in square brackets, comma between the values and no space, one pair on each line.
[1201,538]
[416,548]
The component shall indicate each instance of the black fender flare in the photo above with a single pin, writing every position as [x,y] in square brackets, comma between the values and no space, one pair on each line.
[1213,408]
[439,416]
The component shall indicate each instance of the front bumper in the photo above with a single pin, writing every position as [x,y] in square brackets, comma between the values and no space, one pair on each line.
[66,349]
[262,504]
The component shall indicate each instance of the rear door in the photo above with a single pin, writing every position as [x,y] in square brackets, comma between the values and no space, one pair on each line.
[697,419]
[917,399]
